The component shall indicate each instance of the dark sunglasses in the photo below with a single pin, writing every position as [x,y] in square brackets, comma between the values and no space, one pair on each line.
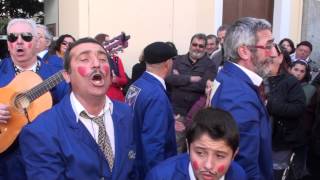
[66,43]
[13,37]
[199,45]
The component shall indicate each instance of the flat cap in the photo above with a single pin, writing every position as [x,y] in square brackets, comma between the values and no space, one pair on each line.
[158,52]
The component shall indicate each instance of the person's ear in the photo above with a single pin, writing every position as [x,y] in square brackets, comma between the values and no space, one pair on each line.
[244,52]
[66,76]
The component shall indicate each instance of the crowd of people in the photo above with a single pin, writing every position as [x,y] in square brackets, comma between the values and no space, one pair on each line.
[236,106]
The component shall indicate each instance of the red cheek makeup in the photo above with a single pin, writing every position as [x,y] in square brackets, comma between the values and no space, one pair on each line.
[195,165]
[221,169]
[83,71]
[106,68]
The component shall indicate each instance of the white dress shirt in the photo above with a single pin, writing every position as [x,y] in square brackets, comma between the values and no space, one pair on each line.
[254,77]
[159,78]
[91,126]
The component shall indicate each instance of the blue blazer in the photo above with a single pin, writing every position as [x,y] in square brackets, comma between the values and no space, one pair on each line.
[53,60]
[155,123]
[56,146]
[10,160]
[177,168]
[238,95]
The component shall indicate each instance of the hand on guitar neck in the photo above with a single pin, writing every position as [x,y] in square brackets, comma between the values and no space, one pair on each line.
[4,113]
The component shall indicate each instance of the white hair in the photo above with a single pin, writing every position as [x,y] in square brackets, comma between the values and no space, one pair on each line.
[30,22]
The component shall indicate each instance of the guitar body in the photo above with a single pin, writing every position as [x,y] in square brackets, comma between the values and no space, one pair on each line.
[8,95]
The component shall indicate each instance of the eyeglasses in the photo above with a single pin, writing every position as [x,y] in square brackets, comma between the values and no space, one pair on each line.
[268,47]
[65,43]
[199,45]
[13,37]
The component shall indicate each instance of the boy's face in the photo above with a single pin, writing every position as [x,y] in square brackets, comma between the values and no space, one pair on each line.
[210,158]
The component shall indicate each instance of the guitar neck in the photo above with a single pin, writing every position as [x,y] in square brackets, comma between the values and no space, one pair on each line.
[45,86]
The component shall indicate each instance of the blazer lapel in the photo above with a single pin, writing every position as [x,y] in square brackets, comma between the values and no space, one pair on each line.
[79,131]
[117,117]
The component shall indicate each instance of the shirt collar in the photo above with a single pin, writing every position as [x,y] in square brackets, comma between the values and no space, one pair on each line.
[42,53]
[294,58]
[78,108]
[254,77]
[159,78]
[32,68]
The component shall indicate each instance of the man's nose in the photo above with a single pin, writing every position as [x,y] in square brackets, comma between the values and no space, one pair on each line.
[96,62]
[209,163]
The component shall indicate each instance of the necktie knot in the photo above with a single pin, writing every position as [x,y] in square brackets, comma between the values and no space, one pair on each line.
[98,119]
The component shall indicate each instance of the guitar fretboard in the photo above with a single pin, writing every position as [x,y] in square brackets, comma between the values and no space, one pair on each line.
[44,87]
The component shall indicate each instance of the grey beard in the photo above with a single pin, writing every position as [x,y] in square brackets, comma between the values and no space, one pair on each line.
[197,55]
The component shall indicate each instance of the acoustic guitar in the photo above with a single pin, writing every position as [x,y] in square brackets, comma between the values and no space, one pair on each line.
[27,96]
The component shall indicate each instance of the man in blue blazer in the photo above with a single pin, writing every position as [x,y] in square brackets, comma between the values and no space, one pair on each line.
[249,49]
[22,41]
[44,40]
[212,141]
[152,109]
[86,135]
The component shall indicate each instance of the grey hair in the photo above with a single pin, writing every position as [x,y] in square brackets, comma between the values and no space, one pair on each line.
[243,32]
[47,33]
[30,22]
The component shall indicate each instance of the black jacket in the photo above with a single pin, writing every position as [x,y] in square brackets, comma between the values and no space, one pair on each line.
[183,92]
[286,105]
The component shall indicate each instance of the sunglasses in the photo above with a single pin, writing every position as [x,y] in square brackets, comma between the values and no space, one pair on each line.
[65,43]
[13,37]
[199,45]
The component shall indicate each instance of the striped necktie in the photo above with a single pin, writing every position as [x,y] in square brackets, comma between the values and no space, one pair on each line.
[103,138]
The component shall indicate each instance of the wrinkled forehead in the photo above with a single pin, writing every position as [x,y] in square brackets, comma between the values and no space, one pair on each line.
[87,48]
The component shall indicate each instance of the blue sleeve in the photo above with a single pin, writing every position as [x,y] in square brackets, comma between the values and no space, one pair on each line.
[155,131]
[246,114]
[40,154]
[152,174]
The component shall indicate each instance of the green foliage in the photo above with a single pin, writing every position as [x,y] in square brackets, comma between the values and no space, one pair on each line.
[20,9]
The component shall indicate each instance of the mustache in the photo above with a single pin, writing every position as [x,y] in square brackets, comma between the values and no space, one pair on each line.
[208,172]
[96,73]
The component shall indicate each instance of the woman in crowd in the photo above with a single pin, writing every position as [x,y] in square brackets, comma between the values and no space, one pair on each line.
[288,45]
[62,44]
[119,78]
[300,69]
[286,105]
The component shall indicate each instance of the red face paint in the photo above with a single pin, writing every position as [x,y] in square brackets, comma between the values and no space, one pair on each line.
[105,68]
[82,71]
[11,45]
[195,165]
[221,169]
[29,45]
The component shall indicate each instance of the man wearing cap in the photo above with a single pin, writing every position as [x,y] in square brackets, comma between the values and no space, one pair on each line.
[152,109]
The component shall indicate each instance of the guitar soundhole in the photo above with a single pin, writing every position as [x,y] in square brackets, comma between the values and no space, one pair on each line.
[21,101]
